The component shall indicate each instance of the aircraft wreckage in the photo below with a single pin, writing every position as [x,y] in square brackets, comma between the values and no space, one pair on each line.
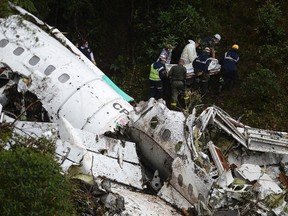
[202,163]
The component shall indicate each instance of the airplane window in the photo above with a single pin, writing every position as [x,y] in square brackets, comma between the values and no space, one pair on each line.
[49,70]
[3,42]
[63,78]
[180,180]
[18,51]
[34,60]
[190,190]
[166,135]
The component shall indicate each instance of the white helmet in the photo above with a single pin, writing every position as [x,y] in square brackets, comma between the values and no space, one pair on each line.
[217,36]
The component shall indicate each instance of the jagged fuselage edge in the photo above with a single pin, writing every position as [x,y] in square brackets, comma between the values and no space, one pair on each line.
[65,81]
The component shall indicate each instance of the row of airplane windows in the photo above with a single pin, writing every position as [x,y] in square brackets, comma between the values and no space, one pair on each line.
[34,60]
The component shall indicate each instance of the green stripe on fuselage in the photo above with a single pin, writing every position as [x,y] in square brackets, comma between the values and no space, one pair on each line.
[117,89]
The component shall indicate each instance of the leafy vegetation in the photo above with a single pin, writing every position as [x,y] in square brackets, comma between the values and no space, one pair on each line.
[31,184]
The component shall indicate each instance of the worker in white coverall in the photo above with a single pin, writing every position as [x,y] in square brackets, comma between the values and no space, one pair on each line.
[189,52]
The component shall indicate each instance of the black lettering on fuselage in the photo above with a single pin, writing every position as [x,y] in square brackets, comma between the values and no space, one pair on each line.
[119,107]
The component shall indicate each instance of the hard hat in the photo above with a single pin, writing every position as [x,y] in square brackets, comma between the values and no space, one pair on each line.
[217,36]
[162,57]
[207,49]
[235,46]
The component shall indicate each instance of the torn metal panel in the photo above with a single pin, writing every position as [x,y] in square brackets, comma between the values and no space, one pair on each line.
[267,186]
[190,122]
[218,158]
[159,134]
[206,117]
[156,181]
[34,129]
[96,163]
[251,172]
[229,127]
[246,156]
[171,195]
[225,179]
[188,179]
[144,204]
[72,151]
[267,141]
[214,115]
[101,144]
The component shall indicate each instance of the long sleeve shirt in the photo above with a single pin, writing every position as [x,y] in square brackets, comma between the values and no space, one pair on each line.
[189,52]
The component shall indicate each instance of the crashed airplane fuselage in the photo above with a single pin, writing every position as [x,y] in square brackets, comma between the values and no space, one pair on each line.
[63,79]
[184,163]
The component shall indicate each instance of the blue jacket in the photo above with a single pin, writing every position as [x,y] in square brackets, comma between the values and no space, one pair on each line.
[230,60]
[201,63]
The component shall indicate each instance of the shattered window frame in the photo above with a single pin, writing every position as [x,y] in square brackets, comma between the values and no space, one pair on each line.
[154,122]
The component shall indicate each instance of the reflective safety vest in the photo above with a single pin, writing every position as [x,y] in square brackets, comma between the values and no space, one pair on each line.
[154,73]
[229,57]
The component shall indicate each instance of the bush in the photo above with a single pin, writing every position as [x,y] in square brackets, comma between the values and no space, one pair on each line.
[269,16]
[31,184]
[260,87]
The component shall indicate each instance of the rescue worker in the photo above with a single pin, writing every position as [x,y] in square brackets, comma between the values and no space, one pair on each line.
[177,75]
[211,42]
[189,52]
[167,52]
[84,48]
[229,67]
[201,65]
[157,73]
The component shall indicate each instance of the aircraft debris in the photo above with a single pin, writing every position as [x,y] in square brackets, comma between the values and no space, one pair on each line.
[142,158]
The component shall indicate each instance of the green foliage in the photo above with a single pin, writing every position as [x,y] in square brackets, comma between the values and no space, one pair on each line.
[4,8]
[120,64]
[134,81]
[174,25]
[182,22]
[270,56]
[260,88]
[269,16]
[5,134]
[31,184]
[26,4]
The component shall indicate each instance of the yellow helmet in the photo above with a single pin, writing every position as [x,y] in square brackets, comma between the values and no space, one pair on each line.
[235,46]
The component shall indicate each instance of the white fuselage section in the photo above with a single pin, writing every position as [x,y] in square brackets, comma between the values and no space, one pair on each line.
[65,81]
